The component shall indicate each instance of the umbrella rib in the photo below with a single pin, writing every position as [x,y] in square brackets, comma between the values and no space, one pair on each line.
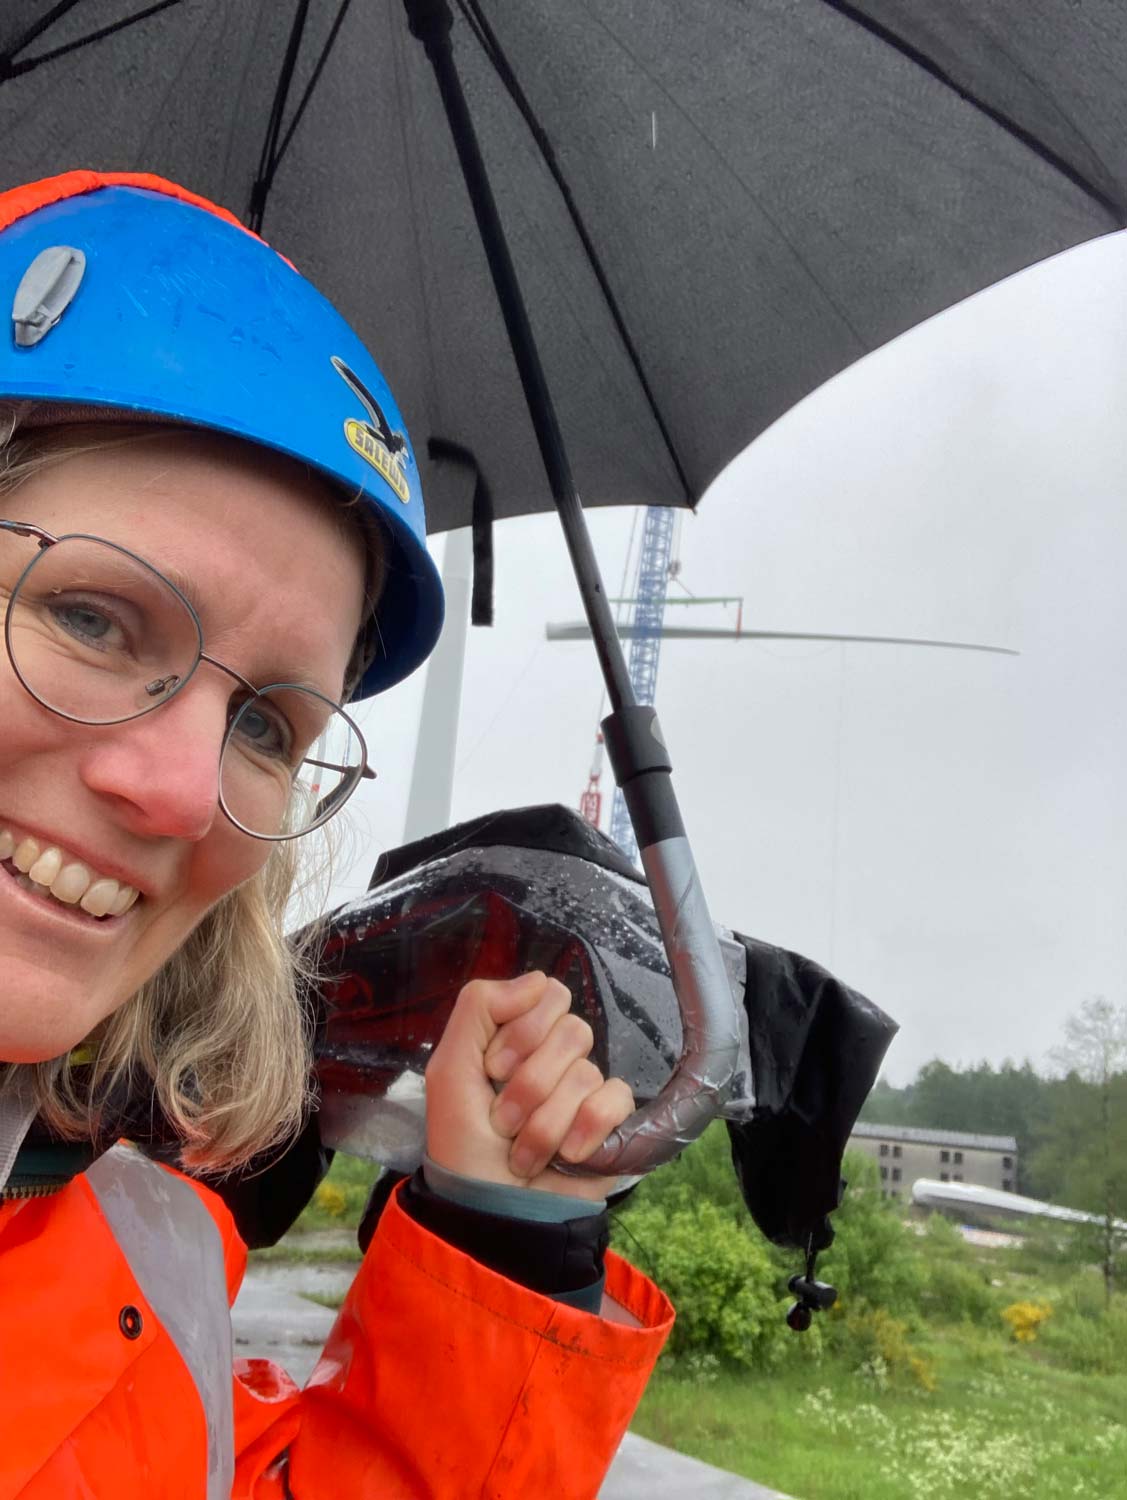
[487,39]
[37,28]
[9,69]
[268,161]
[1019,132]
[314,79]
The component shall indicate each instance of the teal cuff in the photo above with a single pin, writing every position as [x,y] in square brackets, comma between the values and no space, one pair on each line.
[533,1205]
[585,1298]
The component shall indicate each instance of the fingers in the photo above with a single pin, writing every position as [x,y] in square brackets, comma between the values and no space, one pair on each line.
[576,1116]
[578,1109]
[599,1114]
[483,1007]
[561,1053]
[517,1038]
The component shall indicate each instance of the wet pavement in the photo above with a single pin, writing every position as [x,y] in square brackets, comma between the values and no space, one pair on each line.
[275,1319]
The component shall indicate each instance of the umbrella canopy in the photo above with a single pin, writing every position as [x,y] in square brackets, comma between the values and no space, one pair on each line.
[712,208]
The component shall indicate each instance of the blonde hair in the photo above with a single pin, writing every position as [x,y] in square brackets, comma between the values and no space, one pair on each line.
[219,1037]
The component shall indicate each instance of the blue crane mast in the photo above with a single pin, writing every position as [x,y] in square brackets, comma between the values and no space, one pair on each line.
[645,644]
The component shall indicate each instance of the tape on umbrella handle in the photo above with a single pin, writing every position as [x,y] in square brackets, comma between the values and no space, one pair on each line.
[700,1084]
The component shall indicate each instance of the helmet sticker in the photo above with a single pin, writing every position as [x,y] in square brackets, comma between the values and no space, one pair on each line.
[374,440]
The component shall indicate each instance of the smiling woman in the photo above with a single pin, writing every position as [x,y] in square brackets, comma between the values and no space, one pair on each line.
[90,627]
[211,542]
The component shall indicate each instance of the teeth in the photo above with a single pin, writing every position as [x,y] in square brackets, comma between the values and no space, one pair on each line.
[126,896]
[71,883]
[100,897]
[48,868]
[27,852]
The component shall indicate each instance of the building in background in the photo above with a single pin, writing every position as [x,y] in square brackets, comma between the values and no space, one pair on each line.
[905,1152]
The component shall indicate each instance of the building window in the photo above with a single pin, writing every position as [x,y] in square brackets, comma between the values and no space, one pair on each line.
[944,1177]
[884,1174]
[945,1156]
[897,1151]
[896,1174]
[958,1158]
[1008,1163]
[1007,1184]
[895,1193]
[958,1177]
[884,1148]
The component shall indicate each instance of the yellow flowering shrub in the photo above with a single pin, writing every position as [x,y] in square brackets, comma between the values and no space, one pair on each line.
[330,1199]
[1025,1318]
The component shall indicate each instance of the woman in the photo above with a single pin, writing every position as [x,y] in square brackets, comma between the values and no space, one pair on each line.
[211,537]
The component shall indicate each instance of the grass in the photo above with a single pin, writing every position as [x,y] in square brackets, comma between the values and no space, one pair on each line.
[333,1300]
[291,1252]
[993,1417]
[1001,1423]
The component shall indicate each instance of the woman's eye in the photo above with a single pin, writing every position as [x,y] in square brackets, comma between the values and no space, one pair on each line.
[86,623]
[264,732]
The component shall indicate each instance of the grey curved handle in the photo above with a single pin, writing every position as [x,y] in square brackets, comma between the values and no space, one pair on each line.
[699,1085]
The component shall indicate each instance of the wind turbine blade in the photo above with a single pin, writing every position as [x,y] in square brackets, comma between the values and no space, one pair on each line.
[578,630]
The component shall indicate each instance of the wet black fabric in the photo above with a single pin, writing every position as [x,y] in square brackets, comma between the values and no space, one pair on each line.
[763,191]
[547,827]
[816,1049]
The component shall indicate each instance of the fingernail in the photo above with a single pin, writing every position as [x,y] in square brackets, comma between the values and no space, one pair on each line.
[502,1063]
[506,1116]
[521,1161]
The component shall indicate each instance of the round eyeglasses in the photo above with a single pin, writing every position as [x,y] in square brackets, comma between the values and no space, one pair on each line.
[99,636]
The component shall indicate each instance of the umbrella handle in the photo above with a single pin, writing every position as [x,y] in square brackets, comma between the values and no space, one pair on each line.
[700,1084]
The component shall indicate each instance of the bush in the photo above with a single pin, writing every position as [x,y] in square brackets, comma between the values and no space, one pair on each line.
[331,1200]
[875,1345]
[874,1258]
[703,1171]
[954,1293]
[721,1281]
[1091,1346]
[338,1202]
[1025,1319]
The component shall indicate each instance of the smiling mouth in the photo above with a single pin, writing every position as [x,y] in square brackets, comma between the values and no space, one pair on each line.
[60,878]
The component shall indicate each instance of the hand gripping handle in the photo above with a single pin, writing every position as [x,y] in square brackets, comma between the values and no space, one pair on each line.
[699,1085]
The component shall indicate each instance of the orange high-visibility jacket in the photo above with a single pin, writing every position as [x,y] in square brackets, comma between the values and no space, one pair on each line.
[440,1378]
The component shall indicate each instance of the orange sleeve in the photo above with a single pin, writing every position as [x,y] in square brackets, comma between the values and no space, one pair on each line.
[441,1378]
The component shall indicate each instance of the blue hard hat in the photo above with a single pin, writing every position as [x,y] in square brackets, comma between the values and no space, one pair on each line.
[130,294]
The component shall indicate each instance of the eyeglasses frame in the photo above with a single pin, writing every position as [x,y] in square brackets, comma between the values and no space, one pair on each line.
[46,539]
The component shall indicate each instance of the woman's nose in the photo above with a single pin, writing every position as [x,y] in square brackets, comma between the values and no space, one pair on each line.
[162,769]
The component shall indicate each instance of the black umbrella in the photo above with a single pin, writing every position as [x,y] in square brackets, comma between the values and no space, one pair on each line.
[710,209]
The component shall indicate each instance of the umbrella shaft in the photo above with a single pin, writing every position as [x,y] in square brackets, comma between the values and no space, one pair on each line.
[430,22]
[702,1079]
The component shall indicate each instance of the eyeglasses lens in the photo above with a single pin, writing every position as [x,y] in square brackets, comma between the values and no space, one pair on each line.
[96,634]
[290,760]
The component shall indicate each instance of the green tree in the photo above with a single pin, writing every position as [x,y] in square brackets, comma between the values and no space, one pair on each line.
[1084,1152]
[886,1104]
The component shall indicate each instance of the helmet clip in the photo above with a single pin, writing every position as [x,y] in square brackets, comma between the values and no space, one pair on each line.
[46,290]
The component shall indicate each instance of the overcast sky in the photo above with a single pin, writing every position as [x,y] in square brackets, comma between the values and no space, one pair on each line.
[946,831]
